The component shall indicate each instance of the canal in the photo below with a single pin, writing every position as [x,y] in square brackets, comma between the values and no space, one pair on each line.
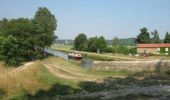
[85,62]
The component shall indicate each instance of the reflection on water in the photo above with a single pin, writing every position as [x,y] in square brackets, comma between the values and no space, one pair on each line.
[85,62]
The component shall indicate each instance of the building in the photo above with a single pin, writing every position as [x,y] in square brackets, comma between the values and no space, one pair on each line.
[153,48]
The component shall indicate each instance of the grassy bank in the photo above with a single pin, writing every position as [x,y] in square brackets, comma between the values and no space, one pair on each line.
[95,56]
[47,78]
[14,83]
[55,78]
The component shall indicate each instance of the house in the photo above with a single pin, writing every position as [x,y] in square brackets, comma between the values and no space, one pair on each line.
[153,48]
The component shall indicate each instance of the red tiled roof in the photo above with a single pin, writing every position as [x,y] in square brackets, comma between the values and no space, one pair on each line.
[153,45]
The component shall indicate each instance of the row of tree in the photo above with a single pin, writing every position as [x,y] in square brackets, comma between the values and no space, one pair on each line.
[153,37]
[24,39]
[93,44]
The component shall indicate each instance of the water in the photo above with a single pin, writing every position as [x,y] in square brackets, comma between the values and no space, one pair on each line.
[85,62]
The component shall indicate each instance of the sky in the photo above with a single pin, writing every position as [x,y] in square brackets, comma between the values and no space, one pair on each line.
[110,18]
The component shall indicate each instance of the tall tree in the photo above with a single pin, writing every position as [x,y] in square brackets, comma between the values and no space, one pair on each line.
[101,43]
[23,39]
[97,43]
[167,38]
[144,36]
[115,41]
[155,37]
[80,42]
[92,44]
[45,23]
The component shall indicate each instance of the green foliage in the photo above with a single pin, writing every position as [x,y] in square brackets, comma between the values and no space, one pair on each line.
[92,44]
[133,50]
[108,49]
[96,43]
[10,51]
[155,37]
[24,39]
[115,41]
[80,42]
[45,24]
[101,42]
[123,50]
[162,50]
[144,36]
[167,38]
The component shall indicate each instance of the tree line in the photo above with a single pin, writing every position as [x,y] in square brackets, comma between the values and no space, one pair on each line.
[93,44]
[99,44]
[153,37]
[24,39]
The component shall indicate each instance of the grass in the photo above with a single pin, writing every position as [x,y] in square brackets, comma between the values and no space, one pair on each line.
[36,80]
[63,46]
[40,82]
[14,83]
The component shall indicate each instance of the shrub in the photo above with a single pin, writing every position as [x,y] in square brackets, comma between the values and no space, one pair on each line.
[133,50]
[162,50]
[123,50]
[108,49]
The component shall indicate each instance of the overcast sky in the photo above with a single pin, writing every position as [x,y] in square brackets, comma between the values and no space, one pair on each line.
[122,18]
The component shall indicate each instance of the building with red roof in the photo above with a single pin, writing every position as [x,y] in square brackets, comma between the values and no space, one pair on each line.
[153,48]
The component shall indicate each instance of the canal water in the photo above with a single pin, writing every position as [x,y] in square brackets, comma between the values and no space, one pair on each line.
[85,62]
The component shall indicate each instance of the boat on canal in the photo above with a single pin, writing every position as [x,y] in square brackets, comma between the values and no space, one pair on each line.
[75,55]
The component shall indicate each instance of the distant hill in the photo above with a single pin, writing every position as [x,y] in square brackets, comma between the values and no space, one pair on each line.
[126,41]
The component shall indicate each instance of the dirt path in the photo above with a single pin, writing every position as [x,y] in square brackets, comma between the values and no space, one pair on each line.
[68,74]
[23,66]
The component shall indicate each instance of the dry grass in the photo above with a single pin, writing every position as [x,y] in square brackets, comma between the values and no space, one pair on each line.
[29,79]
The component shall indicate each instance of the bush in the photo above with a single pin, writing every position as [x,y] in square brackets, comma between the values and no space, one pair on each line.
[108,49]
[162,50]
[123,50]
[133,50]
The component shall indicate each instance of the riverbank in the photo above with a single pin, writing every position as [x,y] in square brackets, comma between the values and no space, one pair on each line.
[96,56]
[47,78]
[108,56]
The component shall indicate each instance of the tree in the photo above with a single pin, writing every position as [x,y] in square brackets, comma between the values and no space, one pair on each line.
[101,43]
[10,51]
[80,42]
[45,24]
[92,44]
[96,43]
[115,41]
[155,37]
[167,38]
[144,36]
[24,39]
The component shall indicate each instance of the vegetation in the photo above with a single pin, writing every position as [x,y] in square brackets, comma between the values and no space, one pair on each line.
[25,39]
[17,82]
[167,38]
[42,80]
[144,36]
[92,44]
[115,41]
[96,44]
[80,42]
[155,37]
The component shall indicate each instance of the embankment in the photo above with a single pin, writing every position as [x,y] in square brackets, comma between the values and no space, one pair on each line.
[151,65]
